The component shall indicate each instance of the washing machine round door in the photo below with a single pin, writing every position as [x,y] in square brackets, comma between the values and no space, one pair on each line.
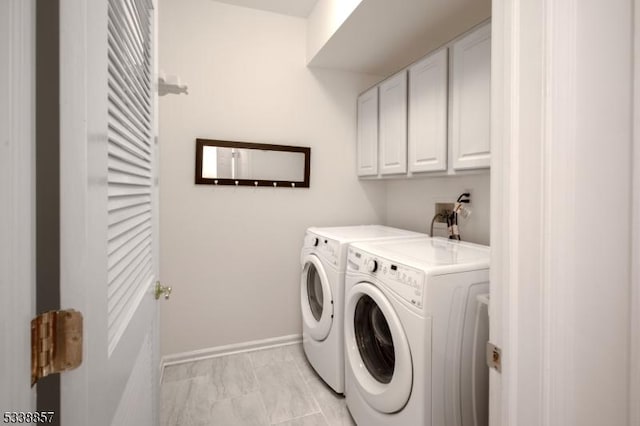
[377,349]
[316,299]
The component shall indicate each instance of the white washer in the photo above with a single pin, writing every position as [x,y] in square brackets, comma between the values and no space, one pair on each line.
[324,259]
[410,322]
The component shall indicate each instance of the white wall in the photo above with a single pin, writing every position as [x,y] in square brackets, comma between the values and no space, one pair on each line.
[410,204]
[232,254]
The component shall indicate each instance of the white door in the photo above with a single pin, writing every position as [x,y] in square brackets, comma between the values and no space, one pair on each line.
[368,133]
[427,137]
[17,205]
[108,200]
[393,124]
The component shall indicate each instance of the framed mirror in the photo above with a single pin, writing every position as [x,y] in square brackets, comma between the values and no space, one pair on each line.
[252,164]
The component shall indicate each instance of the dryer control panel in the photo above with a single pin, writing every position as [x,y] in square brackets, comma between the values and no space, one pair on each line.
[406,282]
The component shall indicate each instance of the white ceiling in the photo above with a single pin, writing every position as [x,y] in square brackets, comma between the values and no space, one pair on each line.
[382,36]
[300,8]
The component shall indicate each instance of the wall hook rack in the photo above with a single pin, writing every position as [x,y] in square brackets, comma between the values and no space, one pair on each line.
[171,85]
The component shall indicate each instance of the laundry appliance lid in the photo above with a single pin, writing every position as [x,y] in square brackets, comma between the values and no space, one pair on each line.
[436,256]
[345,234]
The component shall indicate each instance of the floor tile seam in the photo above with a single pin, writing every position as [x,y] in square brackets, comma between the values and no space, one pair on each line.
[284,362]
[259,390]
[299,369]
[324,416]
[215,401]
[323,410]
[212,401]
[251,389]
[298,418]
[265,416]
[185,378]
[316,410]
[310,392]
[306,381]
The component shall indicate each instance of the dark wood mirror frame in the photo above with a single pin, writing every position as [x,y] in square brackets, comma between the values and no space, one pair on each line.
[201,143]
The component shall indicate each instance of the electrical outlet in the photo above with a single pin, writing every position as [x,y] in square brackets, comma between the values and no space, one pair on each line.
[443,209]
[470,197]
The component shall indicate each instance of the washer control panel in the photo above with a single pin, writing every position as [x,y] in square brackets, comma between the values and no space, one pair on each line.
[329,249]
[407,282]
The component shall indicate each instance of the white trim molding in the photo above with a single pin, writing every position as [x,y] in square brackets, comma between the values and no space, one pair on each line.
[634,377]
[217,351]
[517,237]
[561,148]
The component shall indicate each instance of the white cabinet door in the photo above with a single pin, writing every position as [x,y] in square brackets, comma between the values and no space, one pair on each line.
[471,103]
[428,114]
[368,133]
[393,124]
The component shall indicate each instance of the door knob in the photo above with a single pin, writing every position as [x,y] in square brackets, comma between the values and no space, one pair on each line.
[160,290]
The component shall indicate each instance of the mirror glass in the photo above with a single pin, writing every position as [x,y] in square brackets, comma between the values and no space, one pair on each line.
[234,163]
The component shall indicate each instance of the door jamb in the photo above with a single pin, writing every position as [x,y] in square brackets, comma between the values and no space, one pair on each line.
[634,377]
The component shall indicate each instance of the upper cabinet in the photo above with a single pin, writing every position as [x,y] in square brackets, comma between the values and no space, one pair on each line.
[433,117]
[368,133]
[471,100]
[393,125]
[427,124]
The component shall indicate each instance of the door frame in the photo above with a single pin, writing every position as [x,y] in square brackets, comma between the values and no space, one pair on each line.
[539,154]
[634,403]
[17,209]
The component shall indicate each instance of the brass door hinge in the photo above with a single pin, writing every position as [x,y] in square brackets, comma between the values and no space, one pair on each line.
[56,343]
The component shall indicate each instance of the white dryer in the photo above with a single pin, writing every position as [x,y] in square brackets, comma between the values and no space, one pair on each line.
[324,259]
[411,310]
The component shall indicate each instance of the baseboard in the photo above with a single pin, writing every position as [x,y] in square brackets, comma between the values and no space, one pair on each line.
[254,345]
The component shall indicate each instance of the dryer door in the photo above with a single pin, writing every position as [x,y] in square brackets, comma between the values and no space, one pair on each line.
[377,349]
[316,300]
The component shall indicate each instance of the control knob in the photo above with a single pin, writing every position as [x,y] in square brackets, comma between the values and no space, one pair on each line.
[372,266]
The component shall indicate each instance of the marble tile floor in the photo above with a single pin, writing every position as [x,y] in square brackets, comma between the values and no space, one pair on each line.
[275,386]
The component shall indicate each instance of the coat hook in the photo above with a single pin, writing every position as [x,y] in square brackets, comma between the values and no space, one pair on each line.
[236,183]
[293,184]
[275,184]
[215,181]
[255,182]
